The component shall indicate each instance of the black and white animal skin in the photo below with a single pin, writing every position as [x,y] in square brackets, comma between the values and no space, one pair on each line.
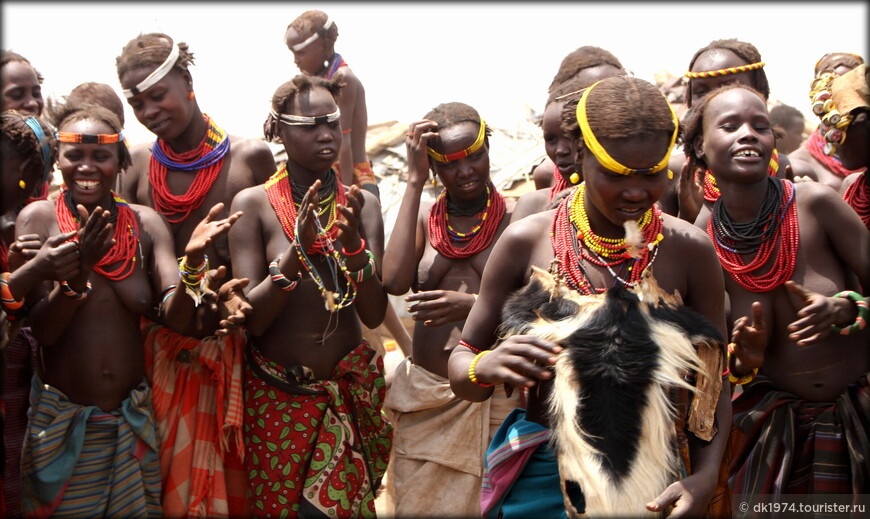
[611,413]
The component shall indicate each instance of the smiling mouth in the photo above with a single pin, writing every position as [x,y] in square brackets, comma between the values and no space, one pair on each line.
[747,153]
[87,185]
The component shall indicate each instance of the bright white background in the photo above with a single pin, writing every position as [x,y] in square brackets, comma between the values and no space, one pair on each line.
[497,57]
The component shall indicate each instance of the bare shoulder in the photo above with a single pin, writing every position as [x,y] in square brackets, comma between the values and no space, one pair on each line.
[685,234]
[815,193]
[529,229]
[256,155]
[35,212]
[346,75]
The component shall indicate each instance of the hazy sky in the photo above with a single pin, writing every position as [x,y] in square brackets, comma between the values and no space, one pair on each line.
[497,57]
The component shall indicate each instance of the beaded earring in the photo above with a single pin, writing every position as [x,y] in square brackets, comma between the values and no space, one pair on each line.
[670,175]
[191,95]
[325,63]
[22,184]
[574,178]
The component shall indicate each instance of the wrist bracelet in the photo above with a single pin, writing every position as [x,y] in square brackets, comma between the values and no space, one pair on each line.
[6,298]
[280,279]
[471,375]
[362,246]
[745,379]
[74,294]
[366,272]
[860,319]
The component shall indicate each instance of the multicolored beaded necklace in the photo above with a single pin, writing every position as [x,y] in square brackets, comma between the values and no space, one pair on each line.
[571,228]
[335,63]
[442,234]
[774,229]
[206,160]
[858,196]
[815,145]
[711,190]
[126,233]
[285,198]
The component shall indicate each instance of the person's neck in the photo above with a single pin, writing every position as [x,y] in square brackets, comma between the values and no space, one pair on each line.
[193,135]
[743,200]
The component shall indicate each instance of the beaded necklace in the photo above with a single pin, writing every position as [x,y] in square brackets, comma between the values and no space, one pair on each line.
[442,234]
[816,146]
[126,233]
[341,297]
[284,202]
[858,196]
[570,229]
[711,190]
[559,184]
[207,159]
[775,227]
[335,63]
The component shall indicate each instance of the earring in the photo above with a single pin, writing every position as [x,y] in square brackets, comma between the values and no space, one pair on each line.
[574,178]
[670,175]
[434,182]
[22,184]
[191,95]
[326,63]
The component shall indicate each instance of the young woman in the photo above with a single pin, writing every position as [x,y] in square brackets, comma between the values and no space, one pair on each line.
[439,251]
[191,166]
[635,126]
[316,440]
[795,256]
[90,405]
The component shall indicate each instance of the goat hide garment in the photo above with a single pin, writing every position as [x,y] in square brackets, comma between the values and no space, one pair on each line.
[627,354]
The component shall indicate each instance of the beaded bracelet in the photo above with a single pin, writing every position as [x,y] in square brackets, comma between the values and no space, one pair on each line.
[471,375]
[6,298]
[470,347]
[192,275]
[73,293]
[280,279]
[860,320]
[362,246]
[745,379]
[167,293]
[366,272]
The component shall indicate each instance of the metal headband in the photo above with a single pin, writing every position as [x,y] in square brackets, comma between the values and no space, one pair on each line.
[304,120]
[158,74]
[300,46]
[601,154]
[43,143]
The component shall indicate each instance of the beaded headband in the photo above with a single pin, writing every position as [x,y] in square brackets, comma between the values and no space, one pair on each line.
[158,74]
[601,154]
[724,71]
[88,138]
[462,153]
[326,26]
[304,120]
[834,124]
[34,125]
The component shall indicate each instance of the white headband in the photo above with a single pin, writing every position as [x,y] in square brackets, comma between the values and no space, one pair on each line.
[155,76]
[300,46]
[303,120]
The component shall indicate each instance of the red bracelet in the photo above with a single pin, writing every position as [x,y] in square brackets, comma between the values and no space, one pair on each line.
[470,347]
[362,246]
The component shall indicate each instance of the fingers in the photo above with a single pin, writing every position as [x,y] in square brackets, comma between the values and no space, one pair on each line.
[663,500]
[214,212]
[757,316]
[425,295]
[52,241]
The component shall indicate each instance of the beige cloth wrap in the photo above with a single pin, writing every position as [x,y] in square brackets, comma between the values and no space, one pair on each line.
[850,90]
[439,443]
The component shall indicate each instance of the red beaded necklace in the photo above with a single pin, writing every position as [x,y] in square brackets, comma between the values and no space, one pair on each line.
[570,229]
[785,242]
[214,146]
[858,196]
[442,236]
[126,235]
[711,190]
[559,184]
[280,194]
[816,146]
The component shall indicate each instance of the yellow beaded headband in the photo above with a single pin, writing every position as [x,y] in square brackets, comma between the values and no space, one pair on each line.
[463,153]
[724,71]
[601,154]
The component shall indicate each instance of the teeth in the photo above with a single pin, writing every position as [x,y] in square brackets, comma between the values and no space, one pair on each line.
[747,153]
[87,184]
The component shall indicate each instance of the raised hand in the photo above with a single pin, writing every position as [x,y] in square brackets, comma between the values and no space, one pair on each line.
[691,192]
[57,259]
[349,219]
[306,220]
[208,229]
[95,236]
[438,307]
[419,134]
[750,339]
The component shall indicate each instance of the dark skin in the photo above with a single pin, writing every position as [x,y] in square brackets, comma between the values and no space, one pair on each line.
[786,331]
[351,102]
[294,328]
[166,110]
[91,348]
[444,288]
[523,360]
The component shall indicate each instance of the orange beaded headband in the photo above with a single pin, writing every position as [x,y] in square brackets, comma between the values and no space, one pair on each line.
[724,71]
[86,138]
[462,153]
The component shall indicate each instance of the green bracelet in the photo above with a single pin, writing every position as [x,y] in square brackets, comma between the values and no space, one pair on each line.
[366,272]
[860,320]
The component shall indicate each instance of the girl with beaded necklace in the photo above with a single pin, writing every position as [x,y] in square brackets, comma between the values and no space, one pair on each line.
[794,256]
[438,250]
[89,398]
[312,249]
[633,127]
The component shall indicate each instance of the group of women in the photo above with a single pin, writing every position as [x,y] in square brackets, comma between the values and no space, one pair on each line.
[215,301]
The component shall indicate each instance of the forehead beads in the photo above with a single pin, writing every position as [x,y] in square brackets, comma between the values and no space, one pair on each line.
[481,135]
